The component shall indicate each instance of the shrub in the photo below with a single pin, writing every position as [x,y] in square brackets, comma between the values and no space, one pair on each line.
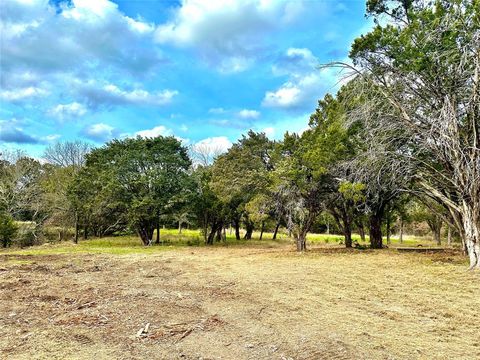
[8,229]
[28,234]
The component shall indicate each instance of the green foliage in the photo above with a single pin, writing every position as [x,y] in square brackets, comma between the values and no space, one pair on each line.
[8,229]
[133,181]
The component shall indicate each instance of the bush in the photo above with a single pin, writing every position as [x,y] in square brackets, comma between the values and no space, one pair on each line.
[28,234]
[8,229]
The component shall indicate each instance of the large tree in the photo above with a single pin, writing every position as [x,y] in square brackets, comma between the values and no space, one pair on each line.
[140,177]
[425,65]
[241,174]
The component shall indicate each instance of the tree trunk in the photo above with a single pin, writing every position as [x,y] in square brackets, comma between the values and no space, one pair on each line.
[248,234]
[361,231]
[157,240]
[276,231]
[401,230]
[262,230]
[471,228]
[236,223]
[219,232]
[449,235]
[437,235]
[211,235]
[301,243]
[75,240]
[85,232]
[142,232]
[179,227]
[347,232]
[388,229]
[376,241]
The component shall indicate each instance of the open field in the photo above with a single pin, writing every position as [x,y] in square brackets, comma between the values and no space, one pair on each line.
[253,300]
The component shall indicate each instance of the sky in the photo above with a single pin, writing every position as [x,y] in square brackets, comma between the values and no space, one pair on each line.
[205,71]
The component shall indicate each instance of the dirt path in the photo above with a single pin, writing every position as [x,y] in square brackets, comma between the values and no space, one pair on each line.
[238,303]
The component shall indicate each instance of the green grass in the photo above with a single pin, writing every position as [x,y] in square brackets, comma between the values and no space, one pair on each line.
[171,239]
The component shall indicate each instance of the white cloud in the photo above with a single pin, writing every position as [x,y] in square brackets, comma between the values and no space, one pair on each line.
[66,111]
[305,82]
[100,132]
[248,114]
[60,41]
[22,93]
[205,151]
[269,131]
[214,144]
[51,137]
[287,96]
[154,132]
[230,34]
[97,94]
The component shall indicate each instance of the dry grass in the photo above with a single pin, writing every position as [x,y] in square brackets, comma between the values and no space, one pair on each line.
[247,302]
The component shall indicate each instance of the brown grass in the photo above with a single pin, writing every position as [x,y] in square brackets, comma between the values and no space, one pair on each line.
[239,303]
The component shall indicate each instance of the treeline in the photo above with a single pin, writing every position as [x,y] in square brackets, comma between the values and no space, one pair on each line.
[405,127]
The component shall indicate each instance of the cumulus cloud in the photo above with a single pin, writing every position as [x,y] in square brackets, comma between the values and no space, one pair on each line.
[154,132]
[100,132]
[227,34]
[248,114]
[205,151]
[58,40]
[97,94]
[67,111]
[305,82]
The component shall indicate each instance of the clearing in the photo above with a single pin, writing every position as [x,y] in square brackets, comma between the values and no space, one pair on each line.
[250,301]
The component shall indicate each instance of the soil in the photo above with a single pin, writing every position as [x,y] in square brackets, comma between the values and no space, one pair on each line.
[239,303]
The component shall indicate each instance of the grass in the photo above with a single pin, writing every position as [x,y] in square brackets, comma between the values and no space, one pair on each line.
[171,239]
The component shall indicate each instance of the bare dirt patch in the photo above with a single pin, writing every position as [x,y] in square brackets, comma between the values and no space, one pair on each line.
[239,303]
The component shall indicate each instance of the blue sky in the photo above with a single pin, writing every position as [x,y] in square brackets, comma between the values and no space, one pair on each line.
[204,71]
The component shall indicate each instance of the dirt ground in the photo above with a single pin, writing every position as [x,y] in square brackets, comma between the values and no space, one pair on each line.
[239,303]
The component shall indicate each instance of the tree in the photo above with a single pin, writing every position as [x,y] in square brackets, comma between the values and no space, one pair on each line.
[425,65]
[8,229]
[301,183]
[139,177]
[241,174]
[67,154]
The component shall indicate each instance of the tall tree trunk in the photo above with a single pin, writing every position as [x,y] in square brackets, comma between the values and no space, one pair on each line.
[262,230]
[376,241]
[85,232]
[179,227]
[449,235]
[276,231]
